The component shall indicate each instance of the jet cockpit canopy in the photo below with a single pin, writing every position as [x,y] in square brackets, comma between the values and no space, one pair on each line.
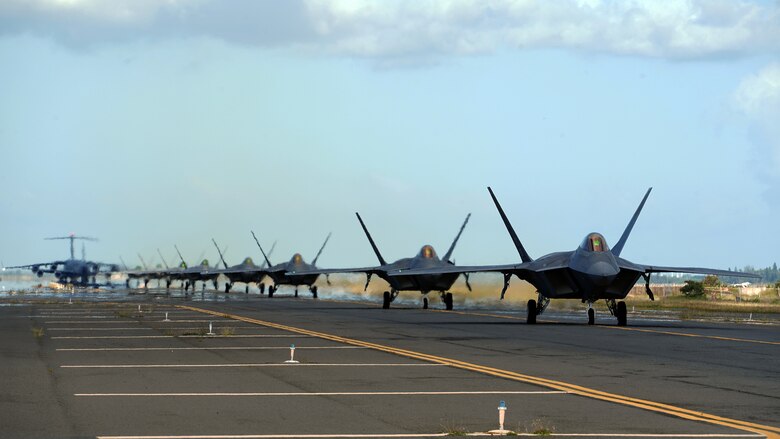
[594,242]
[427,252]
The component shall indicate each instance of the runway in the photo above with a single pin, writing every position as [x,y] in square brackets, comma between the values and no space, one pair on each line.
[367,372]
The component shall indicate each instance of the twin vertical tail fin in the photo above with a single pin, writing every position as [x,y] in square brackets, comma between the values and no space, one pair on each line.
[221,256]
[314,261]
[270,252]
[163,259]
[183,262]
[457,237]
[371,241]
[267,261]
[143,262]
[518,245]
[619,246]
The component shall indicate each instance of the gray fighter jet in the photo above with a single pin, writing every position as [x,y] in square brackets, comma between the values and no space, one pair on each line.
[77,272]
[160,273]
[246,272]
[190,275]
[589,273]
[395,273]
[295,272]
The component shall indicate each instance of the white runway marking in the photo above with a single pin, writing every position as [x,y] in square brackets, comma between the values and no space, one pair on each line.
[103,337]
[124,321]
[220,348]
[144,328]
[413,435]
[478,392]
[166,366]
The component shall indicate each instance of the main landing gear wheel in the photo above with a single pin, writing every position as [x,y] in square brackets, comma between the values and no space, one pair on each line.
[622,314]
[227,288]
[246,289]
[386,300]
[314,291]
[531,317]
[271,290]
[425,303]
[448,301]
[591,316]
[296,292]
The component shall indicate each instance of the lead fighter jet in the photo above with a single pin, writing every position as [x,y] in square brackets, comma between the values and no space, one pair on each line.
[591,272]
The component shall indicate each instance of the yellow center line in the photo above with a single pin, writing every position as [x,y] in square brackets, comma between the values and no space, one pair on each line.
[767,430]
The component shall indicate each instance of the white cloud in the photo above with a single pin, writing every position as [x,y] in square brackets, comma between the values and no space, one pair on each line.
[403,29]
[758,97]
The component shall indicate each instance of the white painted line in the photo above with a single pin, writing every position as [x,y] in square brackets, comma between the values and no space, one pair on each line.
[103,337]
[478,392]
[77,317]
[124,322]
[88,322]
[218,348]
[144,328]
[413,435]
[156,366]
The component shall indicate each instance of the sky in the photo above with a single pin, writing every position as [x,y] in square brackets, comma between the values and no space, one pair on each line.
[149,123]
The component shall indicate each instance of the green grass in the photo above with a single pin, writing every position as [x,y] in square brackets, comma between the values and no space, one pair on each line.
[37,332]
[227,331]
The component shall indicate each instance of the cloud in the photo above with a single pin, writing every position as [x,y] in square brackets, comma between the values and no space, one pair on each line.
[417,29]
[758,98]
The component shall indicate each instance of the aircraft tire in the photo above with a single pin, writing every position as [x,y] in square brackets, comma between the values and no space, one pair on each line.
[296,292]
[314,291]
[271,290]
[425,303]
[246,289]
[622,313]
[531,317]
[591,316]
[262,288]
[448,301]
[386,300]
[227,287]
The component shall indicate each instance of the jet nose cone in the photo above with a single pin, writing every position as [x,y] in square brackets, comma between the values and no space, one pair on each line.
[603,273]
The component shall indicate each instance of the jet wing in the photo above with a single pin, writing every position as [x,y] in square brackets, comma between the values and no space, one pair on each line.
[627,265]
[696,270]
[506,268]
[42,265]
[243,270]
[372,270]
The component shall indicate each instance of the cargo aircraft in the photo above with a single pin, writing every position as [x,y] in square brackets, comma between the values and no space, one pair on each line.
[591,272]
[77,272]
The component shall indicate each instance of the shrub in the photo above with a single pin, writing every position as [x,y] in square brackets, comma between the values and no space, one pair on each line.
[692,288]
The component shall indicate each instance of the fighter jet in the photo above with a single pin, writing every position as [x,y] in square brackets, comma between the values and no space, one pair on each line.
[295,272]
[590,272]
[159,273]
[395,273]
[246,272]
[191,275]
[77,272]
